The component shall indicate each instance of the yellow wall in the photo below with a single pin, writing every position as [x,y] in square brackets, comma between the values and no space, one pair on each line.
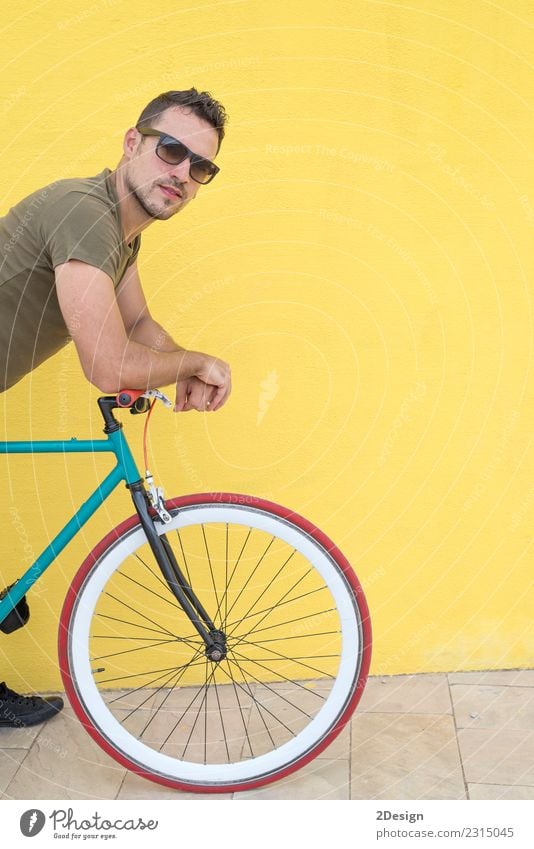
[364,261]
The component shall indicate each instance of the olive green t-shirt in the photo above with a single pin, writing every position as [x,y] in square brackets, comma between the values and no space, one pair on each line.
[69,219]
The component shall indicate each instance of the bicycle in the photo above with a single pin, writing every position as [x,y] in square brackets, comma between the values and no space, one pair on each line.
[212,642]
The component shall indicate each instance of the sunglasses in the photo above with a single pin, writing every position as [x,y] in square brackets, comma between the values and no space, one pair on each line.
[172,151]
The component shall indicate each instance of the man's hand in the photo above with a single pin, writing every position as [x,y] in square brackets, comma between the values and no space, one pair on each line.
[208,389]
[193,394]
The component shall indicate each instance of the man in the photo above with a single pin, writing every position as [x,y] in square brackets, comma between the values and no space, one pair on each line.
[68,271]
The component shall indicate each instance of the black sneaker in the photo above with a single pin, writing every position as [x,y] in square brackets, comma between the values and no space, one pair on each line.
[19,711]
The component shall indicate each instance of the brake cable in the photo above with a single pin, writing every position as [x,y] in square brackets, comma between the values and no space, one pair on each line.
[145,432]
[131,398]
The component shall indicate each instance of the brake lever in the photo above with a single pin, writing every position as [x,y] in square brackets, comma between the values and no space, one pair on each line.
[155,393]
[129,397]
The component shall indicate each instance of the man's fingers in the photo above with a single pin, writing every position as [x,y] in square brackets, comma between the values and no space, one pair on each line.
[210,398]
[181,397]
[219,397]
[195,394]
[200,395]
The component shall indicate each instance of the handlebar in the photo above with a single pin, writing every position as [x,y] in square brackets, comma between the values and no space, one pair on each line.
[128,397]
[138,400]
[135,399]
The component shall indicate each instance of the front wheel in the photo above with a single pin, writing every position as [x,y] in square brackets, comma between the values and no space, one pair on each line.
[297,633]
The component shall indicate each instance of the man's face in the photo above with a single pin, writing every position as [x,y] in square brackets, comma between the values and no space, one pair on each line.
[161,189]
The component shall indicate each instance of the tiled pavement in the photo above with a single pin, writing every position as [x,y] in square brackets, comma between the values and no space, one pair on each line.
[466,735]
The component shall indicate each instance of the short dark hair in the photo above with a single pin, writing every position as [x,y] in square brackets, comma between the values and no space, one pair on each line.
[201,103]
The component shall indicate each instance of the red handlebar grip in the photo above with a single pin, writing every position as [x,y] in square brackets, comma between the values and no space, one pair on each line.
[127,397]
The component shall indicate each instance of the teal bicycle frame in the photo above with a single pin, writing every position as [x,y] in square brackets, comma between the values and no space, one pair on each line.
[125,470]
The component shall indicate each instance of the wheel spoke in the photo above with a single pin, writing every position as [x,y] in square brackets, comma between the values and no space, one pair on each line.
[157,575]
[255,704]
[142,615]
[211,573]
[184,558]
[279,692]
[152,695]
[321,673]
[204,690]
[135,649]
[252,574]
[160,706]
[172,601]
[292,637]
[262,707]
[277,606]
[286,622]
[135,624]
[280,601]
[138,674]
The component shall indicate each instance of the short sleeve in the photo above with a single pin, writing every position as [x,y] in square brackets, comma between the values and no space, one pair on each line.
[78,226]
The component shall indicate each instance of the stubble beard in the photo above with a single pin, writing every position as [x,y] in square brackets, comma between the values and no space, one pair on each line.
[150,208]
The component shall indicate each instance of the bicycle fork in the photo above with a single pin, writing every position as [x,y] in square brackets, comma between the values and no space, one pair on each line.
[214,639]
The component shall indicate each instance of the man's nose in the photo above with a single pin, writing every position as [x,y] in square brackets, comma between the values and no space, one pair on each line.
[181,171]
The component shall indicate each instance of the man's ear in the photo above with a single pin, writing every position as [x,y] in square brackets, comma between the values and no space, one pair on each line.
[132,139]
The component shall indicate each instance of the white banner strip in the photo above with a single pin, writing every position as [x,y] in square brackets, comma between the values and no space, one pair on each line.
[242,824]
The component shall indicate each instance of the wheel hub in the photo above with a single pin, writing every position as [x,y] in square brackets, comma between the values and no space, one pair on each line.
[216,650]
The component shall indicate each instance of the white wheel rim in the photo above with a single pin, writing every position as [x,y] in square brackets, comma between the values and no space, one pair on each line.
[164,765]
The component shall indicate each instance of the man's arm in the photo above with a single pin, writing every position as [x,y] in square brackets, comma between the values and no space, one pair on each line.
[109,358]
[191,393]
[138,323]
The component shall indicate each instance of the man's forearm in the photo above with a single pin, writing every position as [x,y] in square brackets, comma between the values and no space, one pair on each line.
[148,332]
[142,367]
[150,359]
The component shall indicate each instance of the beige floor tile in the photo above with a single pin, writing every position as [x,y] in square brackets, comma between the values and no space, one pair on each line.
[406,694]
[10,760]
[500,791]
[399,756]
[497,756]
[477,706]
[135,787]
[512,677]
[320,779]
[18,738]
[66,764]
